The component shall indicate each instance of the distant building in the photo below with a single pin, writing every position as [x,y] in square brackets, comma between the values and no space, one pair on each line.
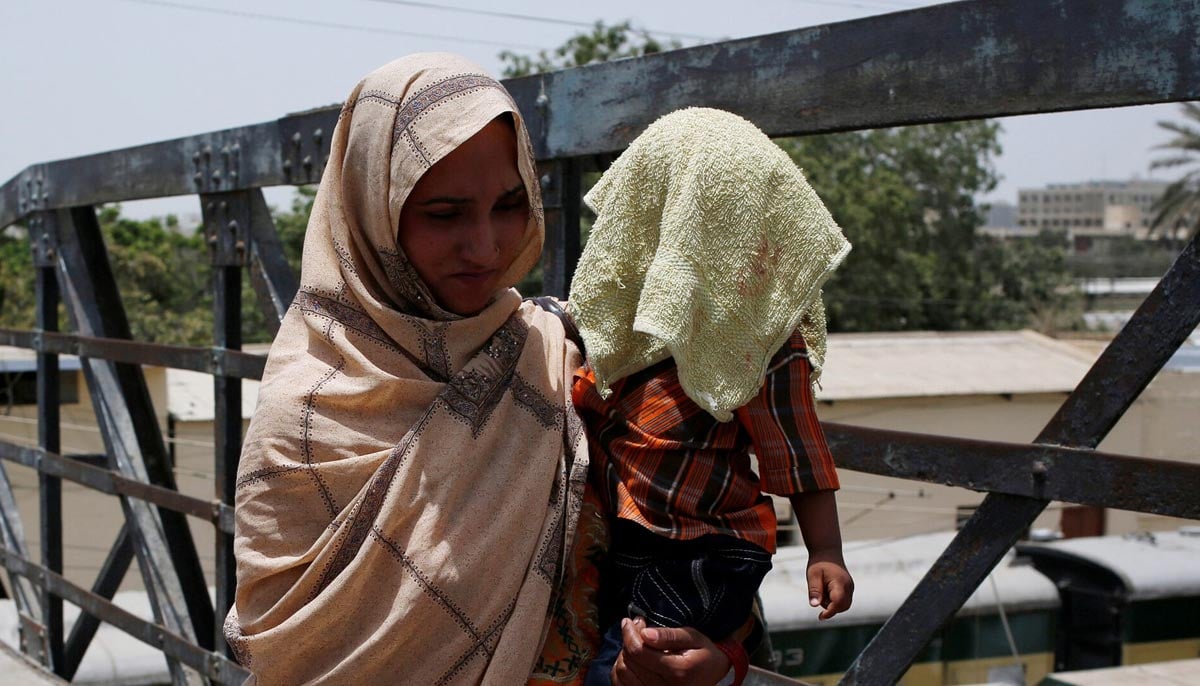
[1001,215]
[1108,207]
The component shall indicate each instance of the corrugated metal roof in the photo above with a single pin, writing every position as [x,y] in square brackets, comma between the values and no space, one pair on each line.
[904,365]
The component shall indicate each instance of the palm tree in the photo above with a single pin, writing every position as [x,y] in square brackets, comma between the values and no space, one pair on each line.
[1177,212]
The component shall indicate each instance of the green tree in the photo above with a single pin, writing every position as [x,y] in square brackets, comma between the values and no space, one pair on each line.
[602,44]
[17,297]
[163,275]
[905,198]
[1177,212]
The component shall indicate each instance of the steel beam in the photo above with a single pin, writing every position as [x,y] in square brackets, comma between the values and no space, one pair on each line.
[12,538]
[561,197]
[166,554]
[116,564]
[963,60]
[116,483]
[207,360]
[1044,472]
[1130,362]
[227,218]
[175,646]
[43,235]
[272,277]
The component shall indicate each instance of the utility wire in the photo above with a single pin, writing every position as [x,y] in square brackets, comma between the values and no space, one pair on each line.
[874,4]
[531,17]
[333,25]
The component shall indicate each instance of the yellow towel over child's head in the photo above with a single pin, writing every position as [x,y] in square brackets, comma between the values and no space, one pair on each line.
[710,247]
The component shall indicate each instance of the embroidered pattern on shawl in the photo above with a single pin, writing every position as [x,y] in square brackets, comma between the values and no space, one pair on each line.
[411,481]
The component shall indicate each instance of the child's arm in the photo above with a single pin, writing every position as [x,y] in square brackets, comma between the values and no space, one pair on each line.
[829,584]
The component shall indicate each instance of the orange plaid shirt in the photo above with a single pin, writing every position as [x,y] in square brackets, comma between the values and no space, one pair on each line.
[671,467]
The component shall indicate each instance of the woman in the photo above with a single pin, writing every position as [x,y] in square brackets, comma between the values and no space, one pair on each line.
[410,493]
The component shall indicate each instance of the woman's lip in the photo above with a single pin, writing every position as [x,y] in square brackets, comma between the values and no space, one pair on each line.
[474,276]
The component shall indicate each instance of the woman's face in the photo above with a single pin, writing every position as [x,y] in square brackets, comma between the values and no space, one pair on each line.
[462,225]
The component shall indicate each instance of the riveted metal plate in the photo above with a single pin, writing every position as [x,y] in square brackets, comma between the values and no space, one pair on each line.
[304,142]
[226,226]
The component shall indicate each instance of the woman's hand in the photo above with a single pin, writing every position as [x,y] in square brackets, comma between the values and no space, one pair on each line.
[667,657]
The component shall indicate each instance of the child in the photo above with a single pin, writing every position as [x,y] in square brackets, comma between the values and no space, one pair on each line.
[698,301]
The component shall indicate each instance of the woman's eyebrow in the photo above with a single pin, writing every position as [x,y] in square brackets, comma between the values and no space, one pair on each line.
[515,190]
[445,200]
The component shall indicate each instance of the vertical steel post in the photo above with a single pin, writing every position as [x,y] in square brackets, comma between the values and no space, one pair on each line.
[43,240]
[227,430]
[561,195]
[227,220]
[163,542]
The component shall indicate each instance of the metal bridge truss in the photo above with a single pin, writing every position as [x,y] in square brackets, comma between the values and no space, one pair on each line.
[965,60]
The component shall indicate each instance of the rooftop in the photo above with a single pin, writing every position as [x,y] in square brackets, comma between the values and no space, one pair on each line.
[863,366]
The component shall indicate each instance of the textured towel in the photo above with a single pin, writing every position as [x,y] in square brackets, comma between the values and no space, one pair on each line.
[710,247]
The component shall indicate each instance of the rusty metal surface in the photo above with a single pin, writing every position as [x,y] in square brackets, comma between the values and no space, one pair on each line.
[991,58]
[1044,472]
[952,61]
[196,164]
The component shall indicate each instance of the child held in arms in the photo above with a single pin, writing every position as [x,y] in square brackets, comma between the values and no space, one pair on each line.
[698,298]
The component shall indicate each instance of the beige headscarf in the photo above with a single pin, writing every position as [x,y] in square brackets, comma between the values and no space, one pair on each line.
[411,479]
[709,247]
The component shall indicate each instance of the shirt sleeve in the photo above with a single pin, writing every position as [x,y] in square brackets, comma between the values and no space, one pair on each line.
[793,456]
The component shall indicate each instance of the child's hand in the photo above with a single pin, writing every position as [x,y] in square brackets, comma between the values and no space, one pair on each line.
[829,584]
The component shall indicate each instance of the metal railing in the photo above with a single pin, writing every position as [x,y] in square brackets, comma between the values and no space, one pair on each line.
[982,58]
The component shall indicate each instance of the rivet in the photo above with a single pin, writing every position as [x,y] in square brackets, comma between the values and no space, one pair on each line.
[547,181]
[216,177]
[240,246]
[297,139]
[207,152]
[210,206]
[542,100]
[307,162]
[317,134]
[287,167]
[224,205]
[198,178]
[232,225]
[212,240]
[196,158]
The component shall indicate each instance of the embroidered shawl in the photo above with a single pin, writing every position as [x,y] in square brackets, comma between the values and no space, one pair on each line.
[411,480]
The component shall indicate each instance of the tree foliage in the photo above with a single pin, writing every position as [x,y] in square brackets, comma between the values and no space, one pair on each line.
[602,44]
[1177,212]
[905,198]
[163,273]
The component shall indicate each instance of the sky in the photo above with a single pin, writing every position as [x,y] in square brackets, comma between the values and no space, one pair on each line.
[84,76]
